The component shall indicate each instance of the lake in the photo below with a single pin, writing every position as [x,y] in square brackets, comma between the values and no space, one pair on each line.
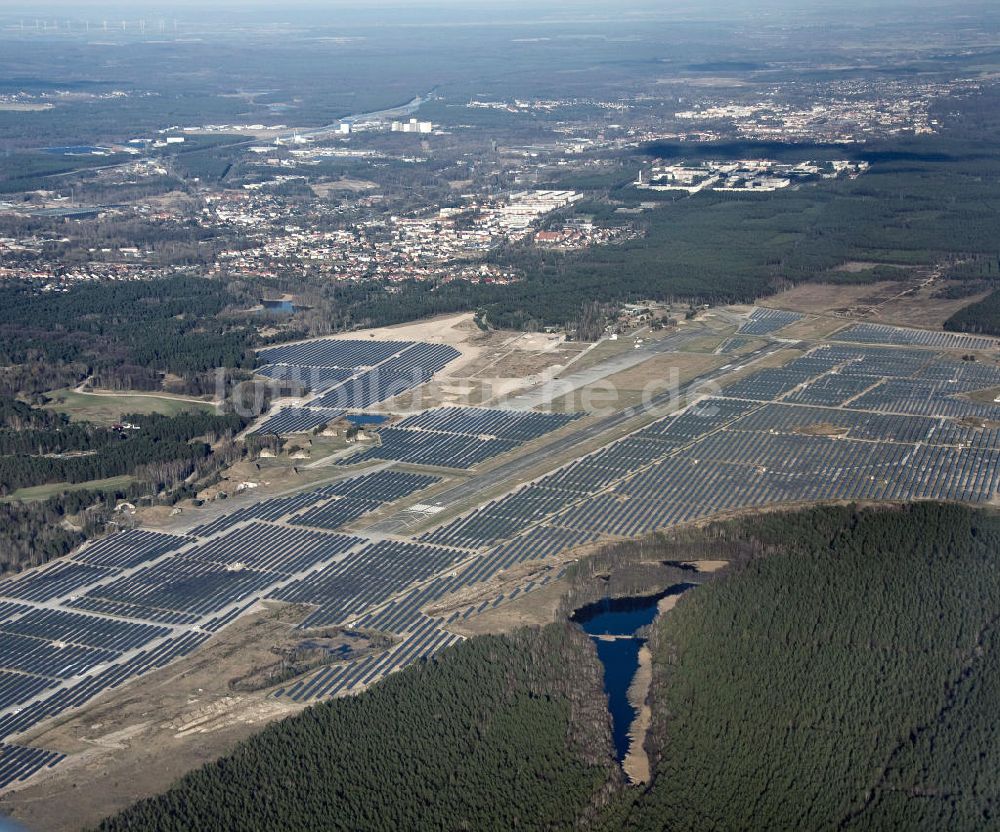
[621,617]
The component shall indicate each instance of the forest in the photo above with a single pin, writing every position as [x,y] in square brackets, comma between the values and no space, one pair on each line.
[171,325]
[35,533]
[842,675]
[497,733]
[74,453]
[163,457]
[981,317]
[843,679]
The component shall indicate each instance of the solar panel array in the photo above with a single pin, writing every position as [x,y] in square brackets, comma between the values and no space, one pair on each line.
[442,450]
[537,544]
[408,369]
[786,452]
[923,397]
[369,490]
[20,763]
[832,389]
[424,357]
[460,437]
[347,375]
[916,382]
[135,601]
[424,638]
[866,333]
[83,630]
[129,548]
[744,450]
[271,509]
[52,581]
[334,514]
[734,344]
[333,352]
[764,321]
[210,577]
[373,387]
[842,422]
[299,419]
[309,378]
[519,426]
[365,579]
[767,384]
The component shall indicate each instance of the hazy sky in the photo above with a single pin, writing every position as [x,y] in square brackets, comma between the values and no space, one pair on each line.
[409,12]
[541,9]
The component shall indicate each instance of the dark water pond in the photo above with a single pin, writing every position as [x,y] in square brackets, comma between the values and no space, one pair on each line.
[621,617]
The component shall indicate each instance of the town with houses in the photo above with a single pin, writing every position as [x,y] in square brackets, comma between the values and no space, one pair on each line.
[282,212]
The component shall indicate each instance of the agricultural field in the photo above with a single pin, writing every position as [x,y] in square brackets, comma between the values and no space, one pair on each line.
[52,489]
[106,408]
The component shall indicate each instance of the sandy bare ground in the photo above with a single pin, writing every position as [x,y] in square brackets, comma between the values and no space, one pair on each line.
[324,189]
[636,762]
[817,298]
[492,364]
[821,429]
[922,309]
[455,330]
[905,303]
[628,387]
[138,740]
[707,566]
[813,328]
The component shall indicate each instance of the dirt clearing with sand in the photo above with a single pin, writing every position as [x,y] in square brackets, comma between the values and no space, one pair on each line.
[136,741]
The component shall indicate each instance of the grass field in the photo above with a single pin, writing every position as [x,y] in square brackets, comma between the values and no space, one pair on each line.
[108,408]
[631,387]
[603,351]
[43,492]
[988,396]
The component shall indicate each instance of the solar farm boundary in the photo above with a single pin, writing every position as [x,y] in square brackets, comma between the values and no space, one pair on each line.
[357,374]
[479,554]
[172,632]
[963,340]
[216,614]
[238,502]
[936,472]
[243,605]
[682,449]
[454,568]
